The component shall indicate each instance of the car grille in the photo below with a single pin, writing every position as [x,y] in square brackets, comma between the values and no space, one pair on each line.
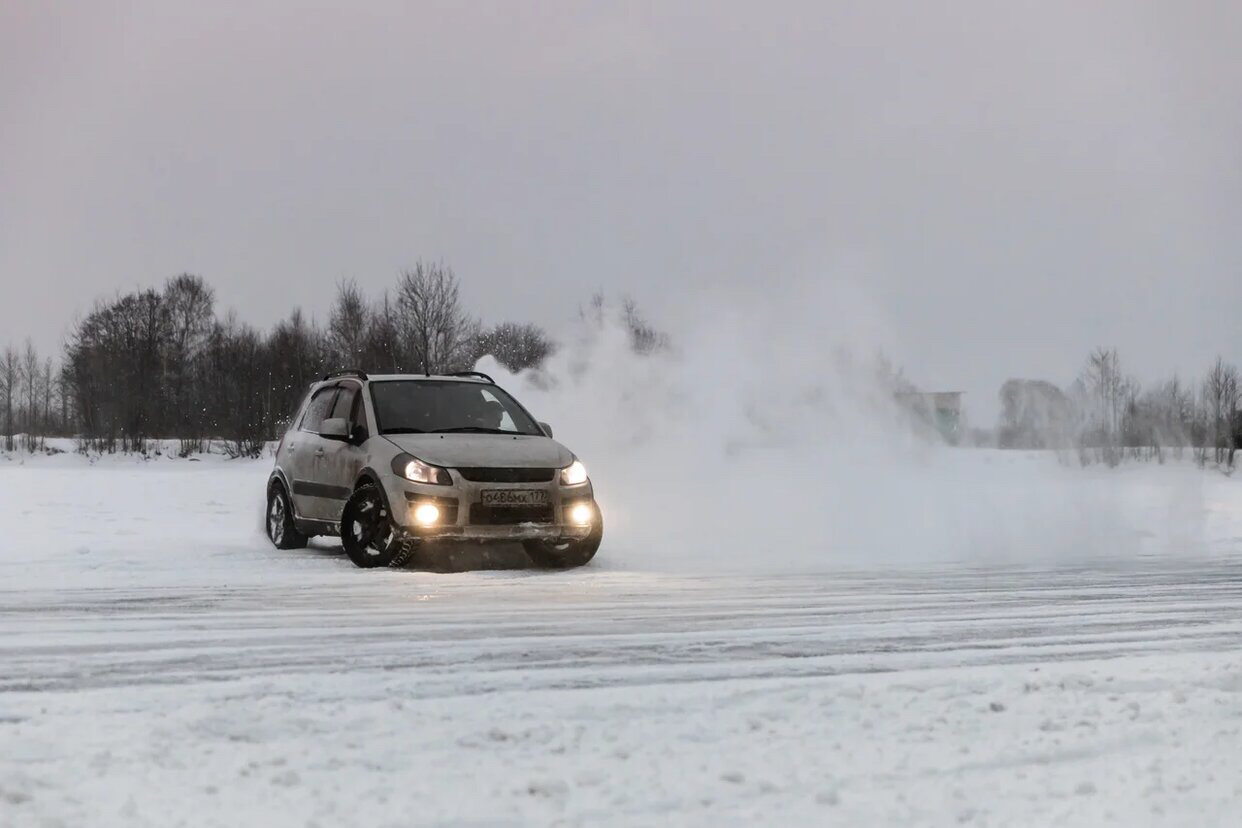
[481,515]
[499,475]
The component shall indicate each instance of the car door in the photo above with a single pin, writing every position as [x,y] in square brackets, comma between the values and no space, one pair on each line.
[306,450]
[340,461]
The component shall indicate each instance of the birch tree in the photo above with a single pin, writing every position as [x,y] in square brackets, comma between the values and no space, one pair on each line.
[432,319]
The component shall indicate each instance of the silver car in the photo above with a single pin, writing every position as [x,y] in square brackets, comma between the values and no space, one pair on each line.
[389,462]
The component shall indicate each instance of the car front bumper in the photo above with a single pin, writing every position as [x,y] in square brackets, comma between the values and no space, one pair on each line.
[464,518]
[501,534]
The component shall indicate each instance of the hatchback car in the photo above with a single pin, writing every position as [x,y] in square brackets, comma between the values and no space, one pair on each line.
[390,462]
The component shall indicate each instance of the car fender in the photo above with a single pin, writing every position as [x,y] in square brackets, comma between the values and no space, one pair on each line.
[368,475]
[278,475]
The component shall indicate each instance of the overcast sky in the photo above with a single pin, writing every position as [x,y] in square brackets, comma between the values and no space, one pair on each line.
[1010,183]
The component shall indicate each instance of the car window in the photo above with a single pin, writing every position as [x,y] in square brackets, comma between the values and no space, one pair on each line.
[318,409]
[506,419]
[438,406]
[344,402]
[348,406]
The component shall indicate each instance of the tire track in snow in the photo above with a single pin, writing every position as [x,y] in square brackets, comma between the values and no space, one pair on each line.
[597,628]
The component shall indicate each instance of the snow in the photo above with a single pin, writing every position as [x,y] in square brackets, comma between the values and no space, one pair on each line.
[163,665]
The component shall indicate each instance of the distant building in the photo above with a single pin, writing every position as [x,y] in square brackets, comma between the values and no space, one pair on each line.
[942,410]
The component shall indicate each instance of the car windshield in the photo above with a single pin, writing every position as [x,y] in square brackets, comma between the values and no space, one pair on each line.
[440,407]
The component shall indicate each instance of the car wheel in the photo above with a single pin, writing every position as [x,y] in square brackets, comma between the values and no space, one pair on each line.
[368,533]
[281,530]
[566,554]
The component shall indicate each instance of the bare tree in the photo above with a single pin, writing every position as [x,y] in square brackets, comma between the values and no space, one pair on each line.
[383,348]
[235,387]
[515,346]
[190,306]
[1178,414]
[147,333]
[1106,394]
[10,377]
[93,373]
[645,338]
[45,386]
[1221,393]
[643,335]
[432,320]
[63,396]
[1162,417]
[30,373]
[296,357]
[348,323]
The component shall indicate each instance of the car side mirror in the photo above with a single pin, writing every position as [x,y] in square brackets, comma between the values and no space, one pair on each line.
[334,428]
[547,429]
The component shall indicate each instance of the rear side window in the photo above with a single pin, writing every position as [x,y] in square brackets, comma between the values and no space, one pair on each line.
[318,409]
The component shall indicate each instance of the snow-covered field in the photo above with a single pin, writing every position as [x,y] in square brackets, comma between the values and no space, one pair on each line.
[162,665]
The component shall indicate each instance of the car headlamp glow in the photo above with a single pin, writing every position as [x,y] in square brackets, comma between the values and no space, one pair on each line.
[575,474]
[426,514]
[416,471]
[580,514]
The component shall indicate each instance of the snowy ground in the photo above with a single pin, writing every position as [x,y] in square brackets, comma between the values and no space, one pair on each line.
[162,665]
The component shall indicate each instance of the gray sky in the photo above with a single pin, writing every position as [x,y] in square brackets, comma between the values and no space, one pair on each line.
[1012,183]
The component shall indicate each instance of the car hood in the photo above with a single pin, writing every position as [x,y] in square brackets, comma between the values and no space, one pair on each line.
[484,450]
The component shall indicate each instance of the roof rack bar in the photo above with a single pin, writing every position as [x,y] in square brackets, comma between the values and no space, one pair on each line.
[348,372]
[477,374]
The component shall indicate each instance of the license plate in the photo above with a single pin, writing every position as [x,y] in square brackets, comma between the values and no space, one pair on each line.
[514,497]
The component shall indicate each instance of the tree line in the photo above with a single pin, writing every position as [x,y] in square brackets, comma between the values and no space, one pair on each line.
[1106,415]
[34,398]
[162,363]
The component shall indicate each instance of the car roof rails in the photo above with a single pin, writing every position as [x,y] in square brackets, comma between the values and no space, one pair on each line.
[348,372]
[474,374]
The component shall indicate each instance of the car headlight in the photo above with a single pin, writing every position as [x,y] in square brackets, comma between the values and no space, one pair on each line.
[575,474]
[415,470]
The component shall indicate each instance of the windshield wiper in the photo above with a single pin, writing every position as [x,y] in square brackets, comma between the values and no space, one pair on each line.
[472,430]
[403,431]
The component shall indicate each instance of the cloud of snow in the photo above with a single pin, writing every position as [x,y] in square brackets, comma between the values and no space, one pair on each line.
[764,440]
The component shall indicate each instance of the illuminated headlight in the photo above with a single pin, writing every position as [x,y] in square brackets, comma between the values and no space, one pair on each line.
[581,514]
[415,470]
[426,514]
[575,474]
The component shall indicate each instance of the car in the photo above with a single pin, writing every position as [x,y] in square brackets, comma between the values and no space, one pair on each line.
[391,462]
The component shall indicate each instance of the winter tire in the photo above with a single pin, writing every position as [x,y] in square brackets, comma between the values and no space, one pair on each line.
[281,530]
[566,554]
[368,533]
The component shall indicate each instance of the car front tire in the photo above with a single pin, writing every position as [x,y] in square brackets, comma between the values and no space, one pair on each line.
[368,533]
[568,554]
